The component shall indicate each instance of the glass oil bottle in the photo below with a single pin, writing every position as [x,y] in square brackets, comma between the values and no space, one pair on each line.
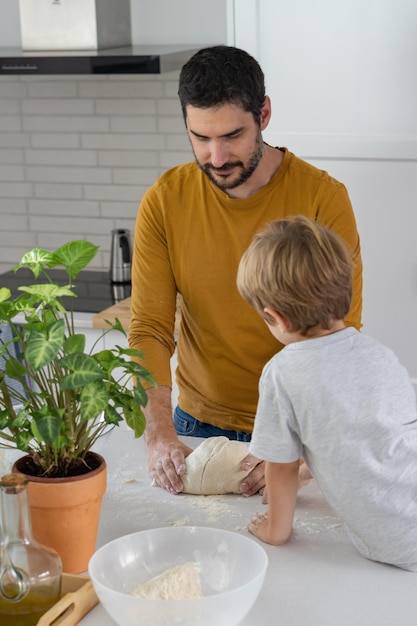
[30,574]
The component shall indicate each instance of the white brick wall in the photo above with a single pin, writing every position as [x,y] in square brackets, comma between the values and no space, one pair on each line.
[77,154]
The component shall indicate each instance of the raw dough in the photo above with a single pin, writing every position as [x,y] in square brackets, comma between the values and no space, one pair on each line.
[213,468]
[178,583]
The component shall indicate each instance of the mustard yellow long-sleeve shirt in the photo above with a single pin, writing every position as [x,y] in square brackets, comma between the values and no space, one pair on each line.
[189,238]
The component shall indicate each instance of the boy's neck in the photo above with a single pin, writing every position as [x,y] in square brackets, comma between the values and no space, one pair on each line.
[317,331]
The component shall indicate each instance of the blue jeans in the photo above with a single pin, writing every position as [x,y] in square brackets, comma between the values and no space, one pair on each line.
[188,426]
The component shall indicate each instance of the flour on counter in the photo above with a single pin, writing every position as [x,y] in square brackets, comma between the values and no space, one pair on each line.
[181,522]
[214,506]
[317,525]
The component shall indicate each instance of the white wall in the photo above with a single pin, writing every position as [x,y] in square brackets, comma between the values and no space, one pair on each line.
[384,197]
[77,154]
[343,83]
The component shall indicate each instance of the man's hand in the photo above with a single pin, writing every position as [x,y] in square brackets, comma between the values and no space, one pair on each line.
[166,464]
[165,453]
[255,480]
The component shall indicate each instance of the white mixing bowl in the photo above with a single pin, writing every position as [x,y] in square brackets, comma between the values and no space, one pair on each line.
[232,571]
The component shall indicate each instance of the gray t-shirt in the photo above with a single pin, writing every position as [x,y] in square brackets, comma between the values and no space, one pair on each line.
[346,404]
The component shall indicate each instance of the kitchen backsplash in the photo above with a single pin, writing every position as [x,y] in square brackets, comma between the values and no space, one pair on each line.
[77,153]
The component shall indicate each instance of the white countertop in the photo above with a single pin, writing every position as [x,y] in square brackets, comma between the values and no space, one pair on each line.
[81,320]
[317,579]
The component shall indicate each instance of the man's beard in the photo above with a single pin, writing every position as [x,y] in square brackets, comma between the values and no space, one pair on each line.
[245,174]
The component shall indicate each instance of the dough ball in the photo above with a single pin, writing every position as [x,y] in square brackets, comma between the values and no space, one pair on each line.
[213,468]
[178,583]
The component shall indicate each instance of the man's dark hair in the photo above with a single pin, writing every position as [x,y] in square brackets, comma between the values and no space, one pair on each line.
[219,75]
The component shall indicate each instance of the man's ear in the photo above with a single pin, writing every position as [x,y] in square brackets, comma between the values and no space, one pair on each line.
[265,113]
[279,319]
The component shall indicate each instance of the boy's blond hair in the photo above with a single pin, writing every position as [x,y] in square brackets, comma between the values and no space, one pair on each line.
[300,269]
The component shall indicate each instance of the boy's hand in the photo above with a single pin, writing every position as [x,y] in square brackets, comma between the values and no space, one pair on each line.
[258,526]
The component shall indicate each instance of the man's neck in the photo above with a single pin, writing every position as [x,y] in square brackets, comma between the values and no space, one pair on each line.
[268,165]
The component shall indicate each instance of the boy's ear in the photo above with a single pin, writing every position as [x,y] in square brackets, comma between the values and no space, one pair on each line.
[279,319]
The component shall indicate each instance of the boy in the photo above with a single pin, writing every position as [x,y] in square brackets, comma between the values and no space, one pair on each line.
[333,395]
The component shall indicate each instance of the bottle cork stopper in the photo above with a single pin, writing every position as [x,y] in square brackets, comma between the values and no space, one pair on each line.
[13,482]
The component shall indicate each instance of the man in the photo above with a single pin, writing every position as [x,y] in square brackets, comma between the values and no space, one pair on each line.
[193,226]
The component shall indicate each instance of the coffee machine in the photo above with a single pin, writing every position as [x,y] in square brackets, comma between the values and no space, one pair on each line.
[120,264]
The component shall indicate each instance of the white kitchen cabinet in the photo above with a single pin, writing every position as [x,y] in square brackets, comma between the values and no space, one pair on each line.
[344,95]
[94,339]
[84,325]
[156,22]
[179,22]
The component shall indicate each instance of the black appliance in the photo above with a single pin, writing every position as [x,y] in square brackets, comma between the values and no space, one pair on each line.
[95,291]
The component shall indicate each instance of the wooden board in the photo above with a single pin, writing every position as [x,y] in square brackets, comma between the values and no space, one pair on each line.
[121,310]
[77,598]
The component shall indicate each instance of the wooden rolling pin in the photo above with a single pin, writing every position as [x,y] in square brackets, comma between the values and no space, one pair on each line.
[71,607]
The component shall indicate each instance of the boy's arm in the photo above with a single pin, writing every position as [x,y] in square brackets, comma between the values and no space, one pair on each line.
[282,486]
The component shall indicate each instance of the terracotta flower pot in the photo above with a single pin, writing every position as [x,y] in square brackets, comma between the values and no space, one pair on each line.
[65,512]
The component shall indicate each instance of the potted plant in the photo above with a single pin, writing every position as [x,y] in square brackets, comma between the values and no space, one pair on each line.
[56,398]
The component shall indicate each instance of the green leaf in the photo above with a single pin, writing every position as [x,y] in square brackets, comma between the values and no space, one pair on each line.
[131,352]
[116,325]
[14,369]
[5,347]
[22,304]
[75,255]
[48,293]
[5,294]
[35,431]
[140,395]
[84,369]
[48,422]
[35,259]
[22,420]
[111,415]
[44,343]
[7,311]
[141,373]
[74,343]
[106,356]
[23,440]
[60,442]
[135,419]
[108,361]
[94,399]
[4,419]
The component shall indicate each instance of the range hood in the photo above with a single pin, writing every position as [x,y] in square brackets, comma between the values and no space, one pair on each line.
[125,60]
[85,37]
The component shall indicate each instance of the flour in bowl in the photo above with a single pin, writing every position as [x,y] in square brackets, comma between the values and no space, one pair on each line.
[178,583]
